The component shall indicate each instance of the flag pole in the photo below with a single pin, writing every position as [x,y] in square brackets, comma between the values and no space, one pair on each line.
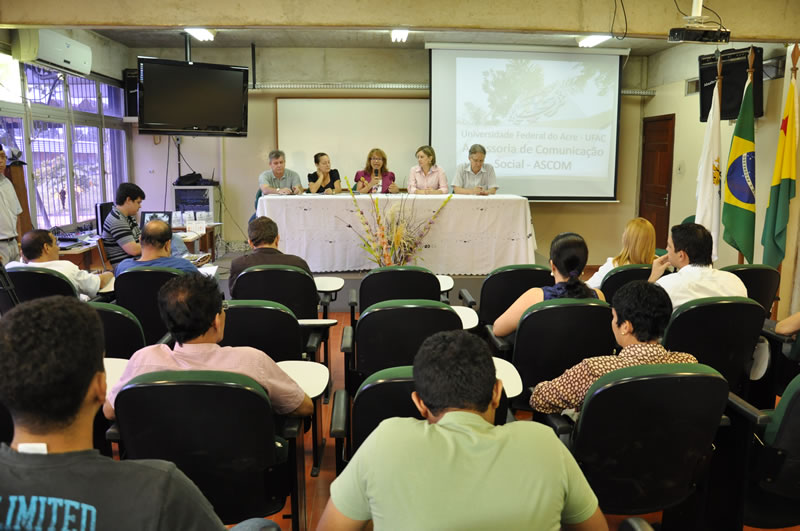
[751,57]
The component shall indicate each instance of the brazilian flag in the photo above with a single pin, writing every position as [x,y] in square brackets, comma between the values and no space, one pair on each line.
[739,208]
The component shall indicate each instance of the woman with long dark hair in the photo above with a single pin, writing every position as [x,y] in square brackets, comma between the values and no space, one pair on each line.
[568,255]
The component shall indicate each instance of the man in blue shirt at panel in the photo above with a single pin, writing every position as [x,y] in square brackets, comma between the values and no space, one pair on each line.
[156,242]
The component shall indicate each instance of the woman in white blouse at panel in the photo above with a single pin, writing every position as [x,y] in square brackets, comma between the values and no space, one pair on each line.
[427,177]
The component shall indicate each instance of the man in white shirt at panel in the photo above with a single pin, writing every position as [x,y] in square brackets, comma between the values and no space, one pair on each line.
[40,249]
[689,252]
[475,177]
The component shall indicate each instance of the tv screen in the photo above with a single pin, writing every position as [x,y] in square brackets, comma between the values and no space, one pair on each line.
[177,97]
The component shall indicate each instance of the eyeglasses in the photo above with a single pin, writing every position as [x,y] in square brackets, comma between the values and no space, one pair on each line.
[225,305]
[376,159]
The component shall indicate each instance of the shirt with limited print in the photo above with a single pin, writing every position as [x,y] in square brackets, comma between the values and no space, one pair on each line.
[87,491]
[411,474]
[465,178]
[289,179]
[569,390]
[284,393]
[119,230]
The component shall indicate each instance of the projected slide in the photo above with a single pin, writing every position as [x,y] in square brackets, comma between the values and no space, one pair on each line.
[548,120]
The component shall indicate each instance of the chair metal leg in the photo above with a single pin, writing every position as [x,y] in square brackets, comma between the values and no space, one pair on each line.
[326,395]
[297,461]
[317,444]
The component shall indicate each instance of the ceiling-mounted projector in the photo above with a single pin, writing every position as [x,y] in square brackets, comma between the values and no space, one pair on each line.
[699,35]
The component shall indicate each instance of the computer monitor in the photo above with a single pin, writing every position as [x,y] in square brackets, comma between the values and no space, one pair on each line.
[101,210]
[166,217]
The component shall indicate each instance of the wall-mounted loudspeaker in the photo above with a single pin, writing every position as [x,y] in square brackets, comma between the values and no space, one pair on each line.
[734,76]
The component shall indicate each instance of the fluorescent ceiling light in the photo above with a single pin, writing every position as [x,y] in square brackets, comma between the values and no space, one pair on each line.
[399,35]
[592,40]
[201,34]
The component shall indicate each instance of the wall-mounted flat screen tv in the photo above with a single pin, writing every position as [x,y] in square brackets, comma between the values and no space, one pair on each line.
[180,98]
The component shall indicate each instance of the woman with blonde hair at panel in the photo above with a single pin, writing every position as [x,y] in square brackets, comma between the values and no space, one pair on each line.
[426,177]
[638,247]
[375,178]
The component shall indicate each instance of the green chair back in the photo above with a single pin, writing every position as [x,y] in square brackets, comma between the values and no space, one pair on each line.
[122,331]
[267,326]
[35,282]
[217,427]
[397,282]
[719,331]
[554,335]
[643,432]
[506,284]
[137,291]
[761,280]
[291,286]
[621,275]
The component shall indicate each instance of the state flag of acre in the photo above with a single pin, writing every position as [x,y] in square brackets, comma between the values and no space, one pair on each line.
[783,184]
[739,208]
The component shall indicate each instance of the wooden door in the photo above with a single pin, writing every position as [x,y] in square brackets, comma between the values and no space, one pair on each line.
[656,178]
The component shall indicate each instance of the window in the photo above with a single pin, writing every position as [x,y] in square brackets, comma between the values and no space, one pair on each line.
[49,170]
[70,131]
[45,86]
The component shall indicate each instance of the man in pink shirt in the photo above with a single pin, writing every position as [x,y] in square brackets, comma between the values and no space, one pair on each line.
[193,309]
[426,177]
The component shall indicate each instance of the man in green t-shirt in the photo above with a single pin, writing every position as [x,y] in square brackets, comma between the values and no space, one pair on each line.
[456,470]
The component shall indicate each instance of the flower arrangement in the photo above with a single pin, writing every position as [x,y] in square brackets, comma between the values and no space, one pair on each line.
[392,236]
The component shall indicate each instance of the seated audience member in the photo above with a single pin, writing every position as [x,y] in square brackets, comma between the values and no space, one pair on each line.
[193,309]
[638,247]
[641,312]
[120,231]
[278,179]
[50,477]
[375,178]
[568,255]
[263,238]
[40,249]
[689,251]
[456,469]
[475,177]
[324,180]
[157,250]
[426,177]
[789,326]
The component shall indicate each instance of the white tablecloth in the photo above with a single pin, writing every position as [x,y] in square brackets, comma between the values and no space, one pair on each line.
[472,235]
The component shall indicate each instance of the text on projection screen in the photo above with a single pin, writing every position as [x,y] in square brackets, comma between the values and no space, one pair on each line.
[548,120]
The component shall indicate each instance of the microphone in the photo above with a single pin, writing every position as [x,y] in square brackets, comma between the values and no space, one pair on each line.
[375,172]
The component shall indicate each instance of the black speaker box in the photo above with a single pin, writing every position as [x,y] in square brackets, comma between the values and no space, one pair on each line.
[130,82]
[734,76]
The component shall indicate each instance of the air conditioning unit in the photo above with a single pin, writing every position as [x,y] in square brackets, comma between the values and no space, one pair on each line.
[51,48]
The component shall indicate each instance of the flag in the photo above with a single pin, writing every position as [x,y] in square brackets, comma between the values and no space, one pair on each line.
[709,176]
[739,209]
[783,184]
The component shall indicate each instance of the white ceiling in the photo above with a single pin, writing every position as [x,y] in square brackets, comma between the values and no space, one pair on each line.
[361,38]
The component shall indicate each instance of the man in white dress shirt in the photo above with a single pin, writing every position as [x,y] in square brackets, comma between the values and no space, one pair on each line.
[475,177]
[40,249]
[689,251]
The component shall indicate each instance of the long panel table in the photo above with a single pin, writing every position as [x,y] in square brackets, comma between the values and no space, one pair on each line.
[472,235]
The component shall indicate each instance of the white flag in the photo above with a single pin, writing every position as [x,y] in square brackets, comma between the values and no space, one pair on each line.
[709,176]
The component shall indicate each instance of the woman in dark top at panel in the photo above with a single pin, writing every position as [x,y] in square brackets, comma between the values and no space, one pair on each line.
[568,255]
[376,178]
[324,180]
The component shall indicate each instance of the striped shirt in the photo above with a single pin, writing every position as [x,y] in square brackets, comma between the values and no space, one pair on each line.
[118,230]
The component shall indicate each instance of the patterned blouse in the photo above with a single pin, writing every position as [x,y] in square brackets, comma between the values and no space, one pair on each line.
[569,389]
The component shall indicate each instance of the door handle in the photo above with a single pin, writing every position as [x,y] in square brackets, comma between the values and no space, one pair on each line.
[666,200]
